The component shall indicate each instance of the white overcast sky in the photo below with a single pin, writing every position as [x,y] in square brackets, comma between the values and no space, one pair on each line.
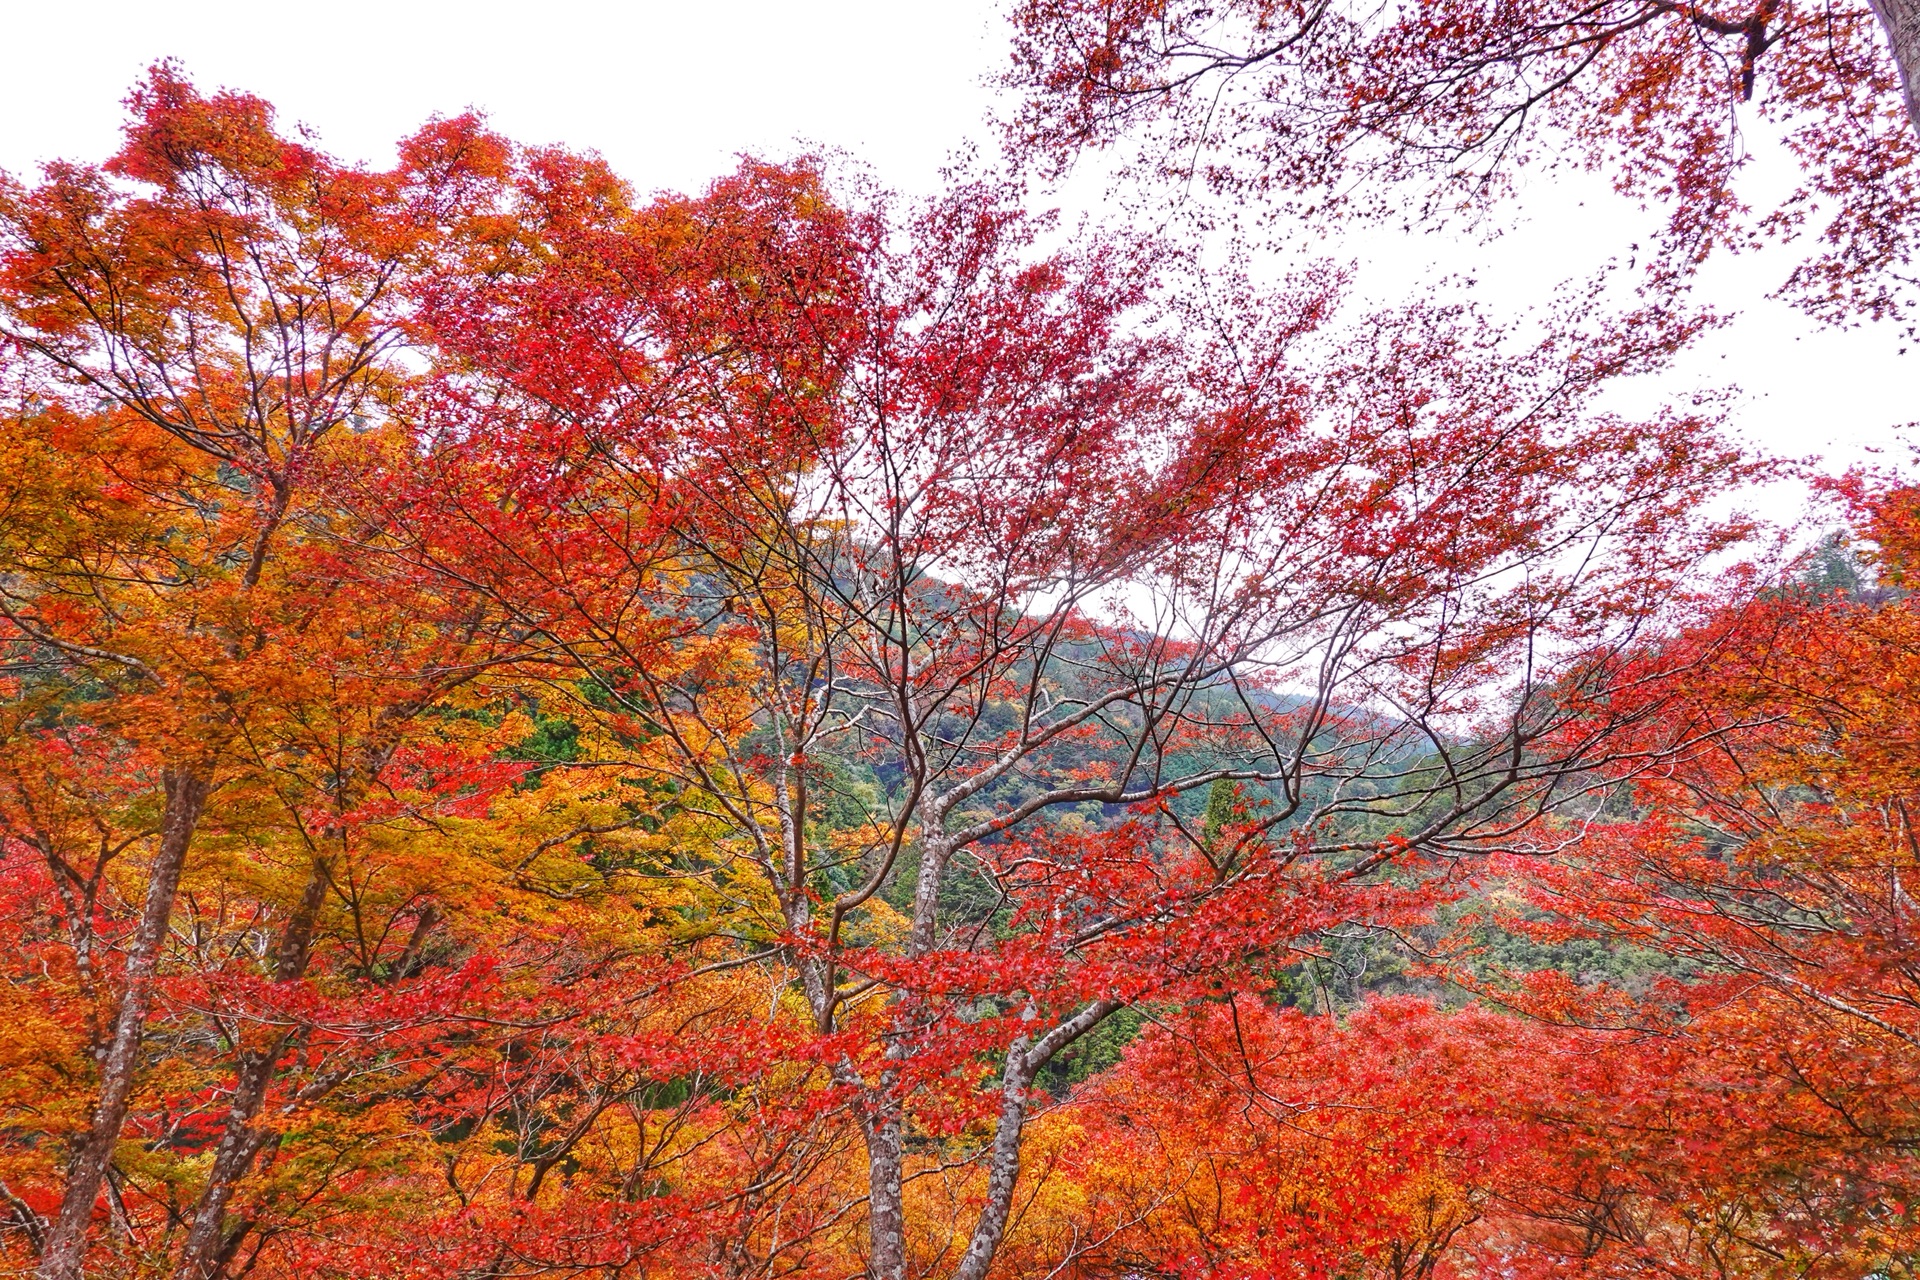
[670,93]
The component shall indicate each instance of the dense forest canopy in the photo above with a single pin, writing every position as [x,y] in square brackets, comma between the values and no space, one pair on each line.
[793,732]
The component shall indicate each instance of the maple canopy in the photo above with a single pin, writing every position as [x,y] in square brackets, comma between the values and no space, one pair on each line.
[1423,111]
[552,732]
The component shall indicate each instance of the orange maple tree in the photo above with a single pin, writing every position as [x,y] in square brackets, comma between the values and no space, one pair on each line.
[205,338]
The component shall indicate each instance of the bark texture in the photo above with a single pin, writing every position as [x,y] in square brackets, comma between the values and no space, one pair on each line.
[1900,20]
[886,1210]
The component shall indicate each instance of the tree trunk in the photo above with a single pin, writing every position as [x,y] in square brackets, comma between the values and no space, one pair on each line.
[935,853]
[206,1249]
[1900,20]
[239,1144]
[1003,1166]
[186,796]
[886,1213]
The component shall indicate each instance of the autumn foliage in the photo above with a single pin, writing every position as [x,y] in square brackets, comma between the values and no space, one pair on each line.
[1438,110]
[547,732]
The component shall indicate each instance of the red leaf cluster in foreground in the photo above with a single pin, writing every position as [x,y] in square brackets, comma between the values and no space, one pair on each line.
[547,733]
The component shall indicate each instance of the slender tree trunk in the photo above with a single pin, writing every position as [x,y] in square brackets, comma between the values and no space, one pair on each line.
[935,853]
[207,1247]
[886,1212]
[186,796]
[1003,1165]
[1024,1060]
[1900,20]
[239,1144]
